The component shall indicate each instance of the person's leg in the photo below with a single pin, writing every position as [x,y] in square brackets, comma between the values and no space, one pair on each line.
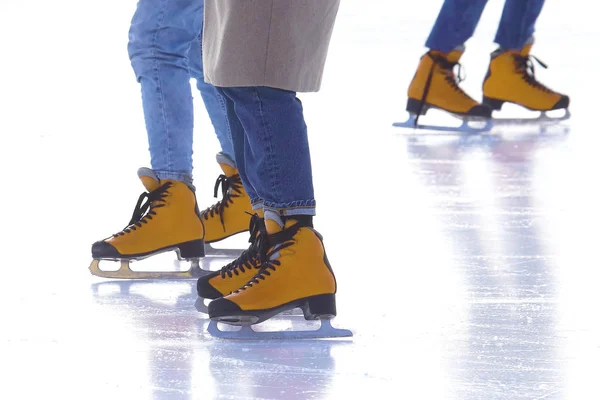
[434,83]
[294,270]
[517,24]
[510,76]
[159,41]
[276,153]
[160,37]
[230,215]
[237,273]
[455,24]
[213,101]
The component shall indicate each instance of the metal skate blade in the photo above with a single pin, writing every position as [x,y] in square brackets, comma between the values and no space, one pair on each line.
[211,251]
[463,128]
[542,119]
[246,332]
[201,306]
[125,272]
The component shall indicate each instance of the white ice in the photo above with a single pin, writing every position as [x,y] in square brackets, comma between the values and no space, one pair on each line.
[467,268]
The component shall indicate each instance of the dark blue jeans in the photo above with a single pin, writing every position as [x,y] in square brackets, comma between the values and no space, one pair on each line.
[271,149]
[458,19]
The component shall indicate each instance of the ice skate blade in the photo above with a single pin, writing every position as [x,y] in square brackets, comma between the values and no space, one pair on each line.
[211,251]
[463,128]
[125,272]
[542,119]
[201,307]
[246,332]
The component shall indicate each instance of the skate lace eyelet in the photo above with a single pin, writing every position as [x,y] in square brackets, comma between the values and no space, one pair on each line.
[230,186]
[526,68]
[145,210]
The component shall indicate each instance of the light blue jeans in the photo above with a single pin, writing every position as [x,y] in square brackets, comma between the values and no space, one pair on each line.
[165,49]
[458,19]
[261,128]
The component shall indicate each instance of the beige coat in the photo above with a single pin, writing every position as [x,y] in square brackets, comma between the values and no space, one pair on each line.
[276,43]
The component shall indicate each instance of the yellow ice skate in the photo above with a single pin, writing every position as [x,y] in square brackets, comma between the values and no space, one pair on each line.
[168,220]
[511,78]
[294,273]
[436,86]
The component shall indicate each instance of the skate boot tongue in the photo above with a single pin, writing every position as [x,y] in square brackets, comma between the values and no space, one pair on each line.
[149,179]
[526,50]
[273,227]
[227,165]
[277,225]
[453,57]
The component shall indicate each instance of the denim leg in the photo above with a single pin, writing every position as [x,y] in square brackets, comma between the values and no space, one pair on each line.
[518,23]
[455,24]
[213,101]
[159,41]
[238,143]
[275,152]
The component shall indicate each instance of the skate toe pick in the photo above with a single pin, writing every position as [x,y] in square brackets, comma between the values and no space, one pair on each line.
[222,307]
[103,249]
[481,110]
[205,289]
[562,103]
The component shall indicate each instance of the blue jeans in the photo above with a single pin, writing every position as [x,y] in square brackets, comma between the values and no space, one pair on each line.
[165,49]
[458,19]
[271,148]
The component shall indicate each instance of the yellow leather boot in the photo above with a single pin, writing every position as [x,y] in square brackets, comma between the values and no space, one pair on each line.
[294,273]
[436,86]
[168,220]
[511,78]
[231,215]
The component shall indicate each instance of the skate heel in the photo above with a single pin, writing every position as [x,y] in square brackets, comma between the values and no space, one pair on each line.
[413,106]
[494,104]
[320,307]
[191,249]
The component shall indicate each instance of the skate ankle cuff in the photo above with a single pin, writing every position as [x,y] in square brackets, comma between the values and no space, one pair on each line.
[303,220]
[226,159]
[176,176]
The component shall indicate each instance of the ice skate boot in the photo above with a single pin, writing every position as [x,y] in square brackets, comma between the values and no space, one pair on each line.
[295,273]
[235,274]
[435,86]
[168,220]
[229,216]
[511,78]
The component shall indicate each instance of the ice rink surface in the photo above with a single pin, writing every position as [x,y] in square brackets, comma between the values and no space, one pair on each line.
[467,266]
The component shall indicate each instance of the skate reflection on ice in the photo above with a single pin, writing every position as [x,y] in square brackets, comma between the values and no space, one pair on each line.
[489,208]
[298,369]
[162,318]
[184,361]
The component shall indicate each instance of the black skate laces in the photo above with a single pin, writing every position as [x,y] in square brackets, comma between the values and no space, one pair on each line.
[268,247]
[249,259]
[451,78]
[230,187]
[526,68]
[144,211]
